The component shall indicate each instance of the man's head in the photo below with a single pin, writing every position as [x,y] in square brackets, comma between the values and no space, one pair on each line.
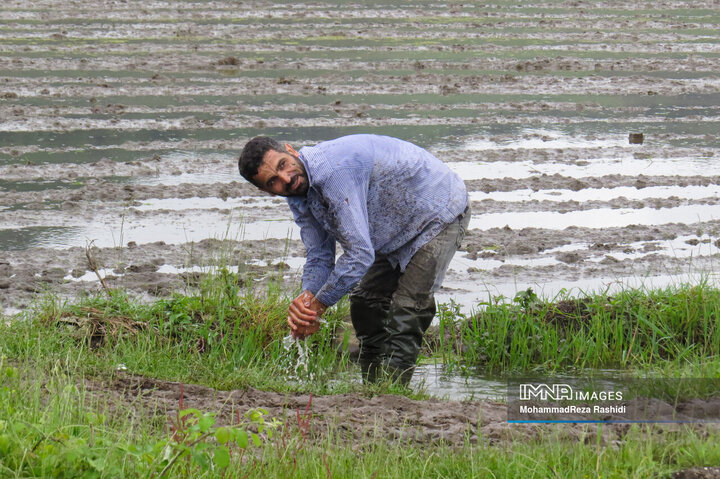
[273,167]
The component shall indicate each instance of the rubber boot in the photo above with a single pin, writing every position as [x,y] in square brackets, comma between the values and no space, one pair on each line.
[370,370]
[369,318]
[406,326]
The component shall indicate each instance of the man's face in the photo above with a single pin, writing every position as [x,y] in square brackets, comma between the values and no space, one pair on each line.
[282,173]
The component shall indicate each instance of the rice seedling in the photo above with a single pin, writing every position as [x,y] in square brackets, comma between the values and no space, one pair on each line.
[631,329]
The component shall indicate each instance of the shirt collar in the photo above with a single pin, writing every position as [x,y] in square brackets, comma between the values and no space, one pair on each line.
[307,170]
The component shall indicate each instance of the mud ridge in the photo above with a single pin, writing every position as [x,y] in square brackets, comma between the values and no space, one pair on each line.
[359,419]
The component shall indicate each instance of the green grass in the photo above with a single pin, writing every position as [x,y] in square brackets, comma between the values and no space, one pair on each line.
[635,329]
[554,457]
[50,426]
[228,337]
[223,337]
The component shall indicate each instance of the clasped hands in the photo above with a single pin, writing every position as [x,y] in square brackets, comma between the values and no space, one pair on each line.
[304,315]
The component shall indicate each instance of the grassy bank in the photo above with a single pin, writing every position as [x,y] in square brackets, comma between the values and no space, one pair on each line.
[52,426]
[676,326]
[224,337]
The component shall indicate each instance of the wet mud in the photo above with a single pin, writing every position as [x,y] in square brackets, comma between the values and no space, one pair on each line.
[118,120]
[698,473]
[359,420]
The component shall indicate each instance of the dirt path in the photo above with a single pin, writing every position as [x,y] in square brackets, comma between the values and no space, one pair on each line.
[357,418]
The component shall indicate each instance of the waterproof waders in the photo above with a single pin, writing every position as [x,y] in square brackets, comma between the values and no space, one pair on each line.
[391,310]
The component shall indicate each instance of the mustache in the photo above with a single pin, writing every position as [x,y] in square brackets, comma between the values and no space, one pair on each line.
[293,183]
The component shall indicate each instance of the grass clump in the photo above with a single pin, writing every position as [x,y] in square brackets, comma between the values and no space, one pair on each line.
[223,337]
[54,424]
[633,328]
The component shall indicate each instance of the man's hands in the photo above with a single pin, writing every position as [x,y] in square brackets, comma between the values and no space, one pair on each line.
[304,315]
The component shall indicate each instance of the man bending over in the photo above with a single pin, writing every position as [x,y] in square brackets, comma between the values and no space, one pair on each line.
[399,215]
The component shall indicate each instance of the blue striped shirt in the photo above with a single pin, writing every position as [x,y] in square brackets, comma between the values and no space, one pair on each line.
[376,196]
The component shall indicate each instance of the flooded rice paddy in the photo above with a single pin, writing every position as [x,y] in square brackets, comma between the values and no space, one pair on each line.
[121,123]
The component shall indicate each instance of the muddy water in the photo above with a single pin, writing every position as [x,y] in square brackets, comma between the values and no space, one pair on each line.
[120,125]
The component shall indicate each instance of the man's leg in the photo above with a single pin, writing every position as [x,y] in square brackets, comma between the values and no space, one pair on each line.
[369,309]
[413,303]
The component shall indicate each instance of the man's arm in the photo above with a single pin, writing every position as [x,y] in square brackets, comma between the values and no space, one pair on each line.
[346,193]
[319,247]
[305,310]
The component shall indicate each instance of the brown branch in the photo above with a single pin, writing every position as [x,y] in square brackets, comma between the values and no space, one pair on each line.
[93,266]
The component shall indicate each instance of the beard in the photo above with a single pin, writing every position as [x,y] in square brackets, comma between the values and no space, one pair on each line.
[299,183]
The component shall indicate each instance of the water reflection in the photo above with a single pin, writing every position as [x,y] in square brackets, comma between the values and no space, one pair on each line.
[40,185]
[35,236]
[439,381]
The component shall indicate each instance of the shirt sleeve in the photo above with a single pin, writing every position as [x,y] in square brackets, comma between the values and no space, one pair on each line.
[345,191]
[319,246]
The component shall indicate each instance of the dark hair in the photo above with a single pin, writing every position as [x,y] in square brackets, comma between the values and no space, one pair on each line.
[252,155]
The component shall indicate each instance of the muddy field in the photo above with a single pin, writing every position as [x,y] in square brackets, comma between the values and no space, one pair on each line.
[361,420]
[121,122]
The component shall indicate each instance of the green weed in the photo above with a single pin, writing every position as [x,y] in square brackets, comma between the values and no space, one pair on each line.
[225,336]
[631,329]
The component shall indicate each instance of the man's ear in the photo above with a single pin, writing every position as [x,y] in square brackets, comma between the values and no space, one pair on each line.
[291,150]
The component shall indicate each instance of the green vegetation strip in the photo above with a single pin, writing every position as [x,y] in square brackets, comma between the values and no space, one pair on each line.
[50,427]
[228,337]
[632,328]
[225,335]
